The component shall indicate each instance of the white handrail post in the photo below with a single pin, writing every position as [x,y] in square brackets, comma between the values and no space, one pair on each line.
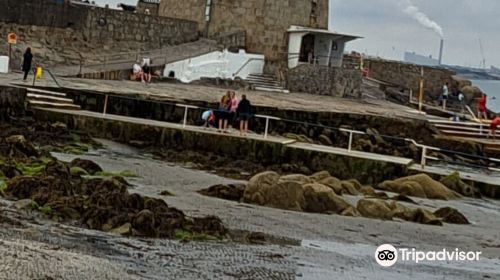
[424,157]
[350,141]
[411,95]
[185,117]
[267,127]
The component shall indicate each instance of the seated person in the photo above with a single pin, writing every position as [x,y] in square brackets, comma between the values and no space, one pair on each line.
[146,67]
[209,118]
[137,73]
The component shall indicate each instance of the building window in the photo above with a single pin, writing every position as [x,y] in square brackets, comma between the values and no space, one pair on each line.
[313,21]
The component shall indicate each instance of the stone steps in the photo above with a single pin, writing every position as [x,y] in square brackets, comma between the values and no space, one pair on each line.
[49,99]
[263,82]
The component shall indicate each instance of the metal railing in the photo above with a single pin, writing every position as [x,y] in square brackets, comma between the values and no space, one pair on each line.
[50,74]
[424,154]
[235,74]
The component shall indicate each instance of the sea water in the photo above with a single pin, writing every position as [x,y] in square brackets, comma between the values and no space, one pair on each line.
[492,89]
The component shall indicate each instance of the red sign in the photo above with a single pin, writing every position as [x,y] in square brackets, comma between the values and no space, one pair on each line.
[12,38]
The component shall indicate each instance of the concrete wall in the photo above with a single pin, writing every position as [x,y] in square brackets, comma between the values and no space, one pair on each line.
[324,80]
[265,21]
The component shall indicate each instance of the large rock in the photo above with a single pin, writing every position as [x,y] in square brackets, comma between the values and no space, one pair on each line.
[350,187]
[334,184]
[125,229]
[374,208]
[87,165]
[299,178]
[320,199]
[451,215]
[453,182]
[471,92]
[420,186]
[267,189]
[232,192]
[319,176]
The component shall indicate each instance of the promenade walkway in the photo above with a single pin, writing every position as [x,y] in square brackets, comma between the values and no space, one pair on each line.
[492,178]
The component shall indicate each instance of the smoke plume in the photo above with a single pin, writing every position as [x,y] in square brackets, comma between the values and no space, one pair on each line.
[422,18]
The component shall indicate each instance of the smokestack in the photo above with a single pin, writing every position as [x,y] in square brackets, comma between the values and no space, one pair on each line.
[441,52]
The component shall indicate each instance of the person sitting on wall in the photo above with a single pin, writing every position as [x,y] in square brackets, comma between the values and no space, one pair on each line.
[137,73]
[146,69]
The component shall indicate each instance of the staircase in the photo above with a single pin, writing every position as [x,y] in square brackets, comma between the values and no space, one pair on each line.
[38,98]
[265,82]
[474,130]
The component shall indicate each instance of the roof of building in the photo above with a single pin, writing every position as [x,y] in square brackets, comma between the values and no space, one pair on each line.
[302,29]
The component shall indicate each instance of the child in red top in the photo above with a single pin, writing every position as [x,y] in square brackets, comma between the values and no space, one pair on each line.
[481,107]
[494,124]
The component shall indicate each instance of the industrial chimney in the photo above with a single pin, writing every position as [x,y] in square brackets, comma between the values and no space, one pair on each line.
[441,52]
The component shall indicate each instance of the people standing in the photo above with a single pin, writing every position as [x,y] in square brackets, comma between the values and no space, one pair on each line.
[224,106]
[233,107]
[27,61]
[461,99]
[244,112]
[481,107]
[445,94]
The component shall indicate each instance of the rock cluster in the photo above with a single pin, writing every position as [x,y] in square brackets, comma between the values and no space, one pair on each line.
[322,193]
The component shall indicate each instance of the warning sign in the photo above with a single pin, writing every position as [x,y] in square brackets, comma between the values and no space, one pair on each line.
[12,38]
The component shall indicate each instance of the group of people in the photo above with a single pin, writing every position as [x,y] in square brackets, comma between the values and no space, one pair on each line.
[142,72]
[230,109]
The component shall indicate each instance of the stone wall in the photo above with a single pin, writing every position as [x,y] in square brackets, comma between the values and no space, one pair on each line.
[151,5]
[63,34]
[325,80]
[231,40]
[12,102]
[407,76]
[265,21]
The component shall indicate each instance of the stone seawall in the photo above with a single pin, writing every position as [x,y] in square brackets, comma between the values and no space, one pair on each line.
[12,102]
[407,76]
[252,150]
[324,80]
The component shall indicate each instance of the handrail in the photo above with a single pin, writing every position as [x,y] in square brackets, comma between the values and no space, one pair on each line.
[245,64]
[352,132]
[50,74]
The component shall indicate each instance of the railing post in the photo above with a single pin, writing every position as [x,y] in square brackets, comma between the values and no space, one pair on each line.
[481,129]
[185,117]
[423,161]
[349,148]
[267,128]
[105,105]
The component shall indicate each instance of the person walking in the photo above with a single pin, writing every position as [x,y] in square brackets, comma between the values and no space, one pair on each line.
[27,61]
[445,94]
[481,107]
[224,106]
[244,111]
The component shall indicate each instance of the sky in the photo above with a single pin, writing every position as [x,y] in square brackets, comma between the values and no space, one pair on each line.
[389,31]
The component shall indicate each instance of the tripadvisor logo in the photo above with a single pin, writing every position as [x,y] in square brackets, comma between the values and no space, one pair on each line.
[387,255]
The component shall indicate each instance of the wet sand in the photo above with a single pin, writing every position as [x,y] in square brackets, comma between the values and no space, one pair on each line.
[331,246]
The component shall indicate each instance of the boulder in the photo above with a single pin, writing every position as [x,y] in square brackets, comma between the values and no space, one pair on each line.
[25,204]
[125,230]
[368,191]
[451,216]
[87,165]
[325,140]
[266,189]
[374,208]
[420,186]
[453,182]
[232,192]
[471,92]
[322,199]
[349,187]
[319,176]
[144,222]
[299,178]
[334,184]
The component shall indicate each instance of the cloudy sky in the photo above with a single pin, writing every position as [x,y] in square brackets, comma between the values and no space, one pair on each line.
[389,29]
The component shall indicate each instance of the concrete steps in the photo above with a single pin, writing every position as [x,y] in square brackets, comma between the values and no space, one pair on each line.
[50,99]
[265,82]
[464,129]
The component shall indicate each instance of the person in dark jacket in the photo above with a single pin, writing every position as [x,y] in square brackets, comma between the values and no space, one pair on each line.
[27,60]
[244,111]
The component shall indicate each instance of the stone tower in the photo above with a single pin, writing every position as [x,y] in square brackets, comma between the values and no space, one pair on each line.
[265,21]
